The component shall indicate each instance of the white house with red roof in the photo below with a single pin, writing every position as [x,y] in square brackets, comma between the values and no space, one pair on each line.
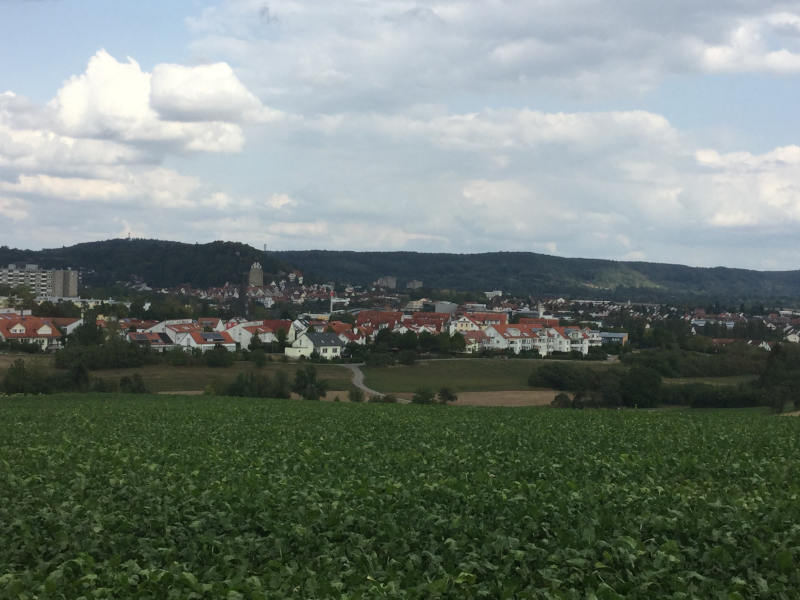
[158,342]
[211,324]
[208,340]
[30,330]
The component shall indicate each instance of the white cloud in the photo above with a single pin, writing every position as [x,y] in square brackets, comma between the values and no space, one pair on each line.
[317,54]
[15,209]
[279,201]
[748,49]
[204,93]
[192,108]
[155,187]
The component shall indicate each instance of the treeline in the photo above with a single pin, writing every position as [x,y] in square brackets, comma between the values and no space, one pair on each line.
[252,384]
[641,385]
[21,379]
[677,362]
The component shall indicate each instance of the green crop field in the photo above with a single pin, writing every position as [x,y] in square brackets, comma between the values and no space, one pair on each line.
[148,497]
[475,374]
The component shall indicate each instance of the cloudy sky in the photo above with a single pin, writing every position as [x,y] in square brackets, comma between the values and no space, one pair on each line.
[659,131]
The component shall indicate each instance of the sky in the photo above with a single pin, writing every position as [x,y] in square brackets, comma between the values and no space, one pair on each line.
[627,130]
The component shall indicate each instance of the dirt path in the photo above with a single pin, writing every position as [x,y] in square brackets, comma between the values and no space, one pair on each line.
[358,379]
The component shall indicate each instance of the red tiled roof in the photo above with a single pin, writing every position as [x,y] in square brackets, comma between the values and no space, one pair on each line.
[31,325]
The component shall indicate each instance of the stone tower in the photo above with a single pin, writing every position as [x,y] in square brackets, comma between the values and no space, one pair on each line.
[256,278]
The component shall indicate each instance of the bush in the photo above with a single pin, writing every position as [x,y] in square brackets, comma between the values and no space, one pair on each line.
[562,400]
[307,385]
[256,385]
[258,357]
[132,384]
[407,357]
[218,357]
[385,399]
[355,395]
[378,359]
[446,395]
[423,396]
[114,354]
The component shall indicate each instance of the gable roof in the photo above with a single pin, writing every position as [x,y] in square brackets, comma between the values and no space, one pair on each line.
[212,337]
[324,339]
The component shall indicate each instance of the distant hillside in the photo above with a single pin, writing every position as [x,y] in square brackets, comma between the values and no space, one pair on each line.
[527,272]
[166,264]
[159,263]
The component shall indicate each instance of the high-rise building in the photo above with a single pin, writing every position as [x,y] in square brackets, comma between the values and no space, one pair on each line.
[65,283]
[60,283]
[256,277]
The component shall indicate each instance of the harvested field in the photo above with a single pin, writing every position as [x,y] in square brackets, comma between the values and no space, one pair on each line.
[507,398]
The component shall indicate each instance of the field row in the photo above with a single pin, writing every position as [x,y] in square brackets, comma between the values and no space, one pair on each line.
[215,497]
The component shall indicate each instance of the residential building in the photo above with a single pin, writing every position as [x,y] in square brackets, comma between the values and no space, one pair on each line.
[326,345]
[42,282]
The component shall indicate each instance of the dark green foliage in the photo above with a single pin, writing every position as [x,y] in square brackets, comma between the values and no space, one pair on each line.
[218,357]
[561,376]
[446,395]
[700,395]
[166,264]
[562,400]
[250,384]
[258,357]
[19,379]
[280,385]
[87,334]
[674,362]
[113,354]
[640,387]
[132,384]
[597,353]
[307,385]
[17,346]
[383,399]
[256,385]
[407,357]
[355,395]
[154,497]
[159,263]
[524,272]
[780,380]
[379,359]
[423,396]
[356,352]
[15,380]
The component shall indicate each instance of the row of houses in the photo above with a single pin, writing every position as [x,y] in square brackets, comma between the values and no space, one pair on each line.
[303,337]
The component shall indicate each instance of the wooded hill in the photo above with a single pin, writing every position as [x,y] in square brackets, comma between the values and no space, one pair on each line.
[158,263]
[167,264]
[540,274]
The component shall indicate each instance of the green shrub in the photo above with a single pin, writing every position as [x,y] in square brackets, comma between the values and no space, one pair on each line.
[355,395]
[423,396]
[446,395]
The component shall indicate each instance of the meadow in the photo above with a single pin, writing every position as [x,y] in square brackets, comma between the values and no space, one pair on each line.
[475,374]
[109,496]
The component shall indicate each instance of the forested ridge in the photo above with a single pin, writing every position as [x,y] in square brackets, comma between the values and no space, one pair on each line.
[528,272]
[164,264]
[159,263]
